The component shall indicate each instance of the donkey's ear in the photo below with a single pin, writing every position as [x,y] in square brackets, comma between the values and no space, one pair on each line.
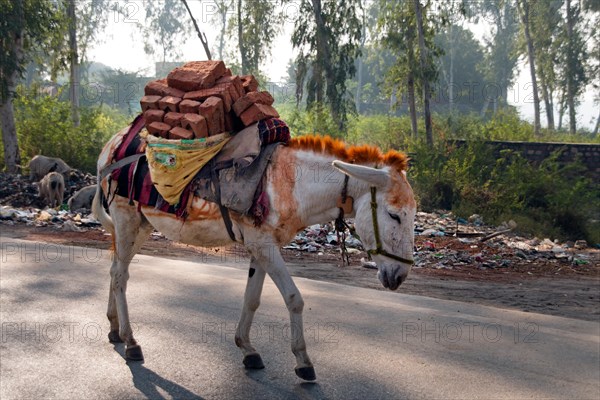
[373,176]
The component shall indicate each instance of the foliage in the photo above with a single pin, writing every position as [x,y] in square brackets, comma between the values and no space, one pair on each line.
[327,35]
[548,199]
[44,127]
[30,22]
[166,26]
[255,24]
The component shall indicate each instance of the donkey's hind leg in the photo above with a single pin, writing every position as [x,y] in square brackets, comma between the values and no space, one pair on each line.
[256,278]
[131,230]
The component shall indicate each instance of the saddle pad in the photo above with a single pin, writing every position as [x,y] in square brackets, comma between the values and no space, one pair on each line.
[174,164]
[133,180]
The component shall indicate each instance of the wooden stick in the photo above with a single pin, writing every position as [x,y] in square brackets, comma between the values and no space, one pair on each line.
[201,35]
[493,235]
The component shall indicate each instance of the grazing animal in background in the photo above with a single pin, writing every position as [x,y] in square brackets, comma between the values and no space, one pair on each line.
[82,198]
[305,182]
[52,189]
[40,166]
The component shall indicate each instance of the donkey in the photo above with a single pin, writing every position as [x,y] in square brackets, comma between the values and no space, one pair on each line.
[304,182]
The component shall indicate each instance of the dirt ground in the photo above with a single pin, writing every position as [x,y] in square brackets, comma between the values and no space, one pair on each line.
[538,286]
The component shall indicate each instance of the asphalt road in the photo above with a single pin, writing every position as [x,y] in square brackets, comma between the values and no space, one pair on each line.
[364,343]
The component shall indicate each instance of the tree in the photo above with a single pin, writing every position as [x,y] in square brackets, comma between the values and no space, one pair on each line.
[257,22]
[523,6]
[166,26]
[24,28]
[461,70]
[397,29]
[575,69]
[223,7]
[423,64]
[327,36]
[545,30]
[501,56]
[74,78]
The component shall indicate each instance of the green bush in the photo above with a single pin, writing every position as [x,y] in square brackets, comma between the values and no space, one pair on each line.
[548,199]
[44,126]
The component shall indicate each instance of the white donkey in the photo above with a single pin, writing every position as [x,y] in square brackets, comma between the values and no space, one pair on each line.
[304,184]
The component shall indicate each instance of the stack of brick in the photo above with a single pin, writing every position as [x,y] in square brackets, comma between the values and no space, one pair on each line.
[203,98]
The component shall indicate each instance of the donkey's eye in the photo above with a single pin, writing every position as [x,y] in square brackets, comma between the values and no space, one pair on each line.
[395,217]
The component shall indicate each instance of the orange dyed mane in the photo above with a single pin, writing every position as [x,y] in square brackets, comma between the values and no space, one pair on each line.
[363,154]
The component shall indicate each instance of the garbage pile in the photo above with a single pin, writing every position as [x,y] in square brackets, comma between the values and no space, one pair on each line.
[63,220]
[20,192]
[442,240]
[20,203]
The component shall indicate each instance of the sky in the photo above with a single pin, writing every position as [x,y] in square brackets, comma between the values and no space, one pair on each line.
[122,48]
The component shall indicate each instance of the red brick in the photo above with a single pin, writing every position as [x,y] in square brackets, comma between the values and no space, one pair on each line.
[149,102]
[250,98]
[180,133]
[249,83]
[212,110]
[159,129]
[238,88]
[151,116]
[197,123]
[169,103]
[173,119]
[228,122]
[221,91]
[189,106]
[257,112]
[196,75]
[160,88]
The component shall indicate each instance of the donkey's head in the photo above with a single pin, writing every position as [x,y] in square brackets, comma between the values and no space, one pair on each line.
[384,220]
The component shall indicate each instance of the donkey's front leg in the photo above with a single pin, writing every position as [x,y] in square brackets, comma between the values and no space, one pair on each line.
[131,231]
[256,278]
[268,256]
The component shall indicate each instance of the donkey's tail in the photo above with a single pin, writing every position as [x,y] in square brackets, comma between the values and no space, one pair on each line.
[98,209]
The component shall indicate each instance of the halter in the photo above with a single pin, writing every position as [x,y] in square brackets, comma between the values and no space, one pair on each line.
[379,250]
[340,224]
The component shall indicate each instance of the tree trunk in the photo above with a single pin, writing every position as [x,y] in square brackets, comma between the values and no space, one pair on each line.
[241,43]
[451,77]
[595,132]
[569,71]
[321,58]
[412,105]
[357,98]
[524,11]
[485,107]
[12,155]
[547,101]
[223,29]
[423,63]
[561,109]
[74,67]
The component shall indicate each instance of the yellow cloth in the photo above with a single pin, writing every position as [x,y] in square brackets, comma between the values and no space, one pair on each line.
[174,163]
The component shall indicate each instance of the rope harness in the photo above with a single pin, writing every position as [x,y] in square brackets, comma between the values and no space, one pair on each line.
[346,201]
[379,248]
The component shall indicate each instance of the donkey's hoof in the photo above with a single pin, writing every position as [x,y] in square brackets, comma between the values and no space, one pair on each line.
[253,361]
[134,353]
[113,337]
[306,373]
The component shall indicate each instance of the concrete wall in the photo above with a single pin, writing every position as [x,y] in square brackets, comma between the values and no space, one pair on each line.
[589,154]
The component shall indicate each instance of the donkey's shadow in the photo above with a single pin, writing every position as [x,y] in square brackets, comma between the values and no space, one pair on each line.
[148,382]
